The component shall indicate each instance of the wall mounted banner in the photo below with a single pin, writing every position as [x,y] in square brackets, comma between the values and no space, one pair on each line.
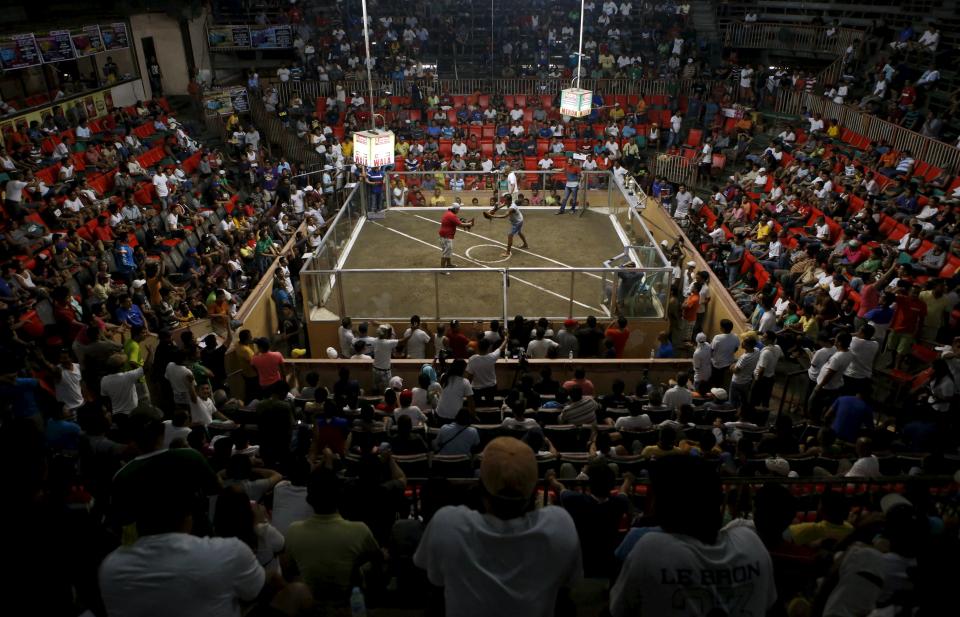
[271,37]
[226,100]
[228,37]
[87,41]
[18,51]
[55,46]
[114,36]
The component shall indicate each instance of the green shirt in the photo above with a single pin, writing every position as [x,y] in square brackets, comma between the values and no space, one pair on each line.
[870,265]
[135,357]
[325,548]
[263,245]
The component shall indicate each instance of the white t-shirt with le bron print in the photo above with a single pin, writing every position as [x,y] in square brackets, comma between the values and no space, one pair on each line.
[672,575]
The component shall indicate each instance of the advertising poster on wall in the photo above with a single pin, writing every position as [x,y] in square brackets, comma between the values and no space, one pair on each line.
[18,51]
[228,37]
[271,37]
[55,46]
[87,41]
[114,36]
[226,101]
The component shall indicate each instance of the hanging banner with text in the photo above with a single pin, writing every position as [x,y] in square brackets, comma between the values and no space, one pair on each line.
[87,41]
[271,37]
[18,51]
[55,46]
[226,101]
[228,37]
[114,36]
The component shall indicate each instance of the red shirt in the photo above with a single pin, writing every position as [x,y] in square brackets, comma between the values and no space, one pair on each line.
[267,366]
[103,233]
[459,344]
[619,338]
[909,313]
[448,224]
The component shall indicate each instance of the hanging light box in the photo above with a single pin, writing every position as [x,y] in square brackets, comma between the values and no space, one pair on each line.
[373,148]
[576,102]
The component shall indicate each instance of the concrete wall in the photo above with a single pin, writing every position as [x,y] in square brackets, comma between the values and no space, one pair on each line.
[170,52]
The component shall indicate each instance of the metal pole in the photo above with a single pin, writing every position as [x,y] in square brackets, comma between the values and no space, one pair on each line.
[580,48]
[366,39]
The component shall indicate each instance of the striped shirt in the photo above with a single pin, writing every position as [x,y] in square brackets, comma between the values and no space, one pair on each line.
[580,412]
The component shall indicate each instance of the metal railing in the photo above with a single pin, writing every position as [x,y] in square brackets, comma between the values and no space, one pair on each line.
[790,36]
[331,288]
[548,183]
[676,169]
[436,293]
[311,89]
[296,149]
[929,150]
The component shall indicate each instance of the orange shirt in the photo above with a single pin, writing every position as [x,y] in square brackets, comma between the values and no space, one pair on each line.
[690,306]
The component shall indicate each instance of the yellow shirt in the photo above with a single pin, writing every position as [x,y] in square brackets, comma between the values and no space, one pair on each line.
[805,534]
[617,113]
[833,131]
[763,233]
[346,146]
[809,325]
[245,353]
[402,148]
[438,200]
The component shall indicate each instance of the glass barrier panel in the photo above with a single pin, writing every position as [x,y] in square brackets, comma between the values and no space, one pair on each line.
[549,293]
[320,294]
[389,296]
[643,294]
[471,295]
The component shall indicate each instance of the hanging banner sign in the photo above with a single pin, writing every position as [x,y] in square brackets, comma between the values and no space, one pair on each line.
[87,41]
[114,36]
[19,51]
[55,46]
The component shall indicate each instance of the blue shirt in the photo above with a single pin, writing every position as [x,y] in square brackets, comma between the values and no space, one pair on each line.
[628,131]
[131,316]
[63,435]
[852,412]
[433,131]
[21,396]
[665,350]
[125,253]
[375,175]
[879,315]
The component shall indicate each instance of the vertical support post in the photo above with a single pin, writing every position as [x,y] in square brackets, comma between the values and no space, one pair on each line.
[503,287]
[338,281]
[436,294]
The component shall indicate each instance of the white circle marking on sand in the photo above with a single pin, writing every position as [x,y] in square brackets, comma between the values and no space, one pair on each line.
[495,261]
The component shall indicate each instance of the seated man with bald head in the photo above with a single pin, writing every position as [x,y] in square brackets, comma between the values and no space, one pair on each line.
[510,559]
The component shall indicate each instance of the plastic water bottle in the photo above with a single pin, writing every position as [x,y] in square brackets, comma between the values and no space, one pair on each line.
[358,606]
[571,354]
